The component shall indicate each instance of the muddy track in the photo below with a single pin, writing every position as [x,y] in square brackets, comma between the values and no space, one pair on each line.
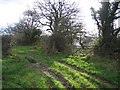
[46,69]
[98,77]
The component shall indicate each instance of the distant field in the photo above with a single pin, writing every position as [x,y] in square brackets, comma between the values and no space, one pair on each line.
[56,71]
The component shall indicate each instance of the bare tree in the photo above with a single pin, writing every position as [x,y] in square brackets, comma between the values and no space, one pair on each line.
[61,18]
[105,19]
[31,19]
[28,27]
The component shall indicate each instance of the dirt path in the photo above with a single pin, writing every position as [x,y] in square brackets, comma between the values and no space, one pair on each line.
[46,69]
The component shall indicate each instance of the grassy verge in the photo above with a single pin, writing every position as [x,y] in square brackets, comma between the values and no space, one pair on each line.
[38,53]
[17,72]
[77,79]
[98,65]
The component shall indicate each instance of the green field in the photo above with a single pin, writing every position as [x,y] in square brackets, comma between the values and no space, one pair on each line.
[56,71]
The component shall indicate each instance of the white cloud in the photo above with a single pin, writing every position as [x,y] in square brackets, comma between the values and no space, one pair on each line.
[9,13]
[12,10]
[85,6]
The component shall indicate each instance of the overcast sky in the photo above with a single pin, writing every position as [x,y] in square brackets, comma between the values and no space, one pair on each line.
[12,10]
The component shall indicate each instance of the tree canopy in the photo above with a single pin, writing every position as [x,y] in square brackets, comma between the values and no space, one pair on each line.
[105,18]
[61,19]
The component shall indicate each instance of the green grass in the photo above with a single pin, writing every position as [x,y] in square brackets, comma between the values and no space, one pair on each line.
[17,71]
[98,65]
[19,75]
[77,79]
[38,53]
[53,83]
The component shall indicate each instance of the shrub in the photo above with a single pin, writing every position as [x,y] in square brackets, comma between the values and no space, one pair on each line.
[58,43]
[110,49]
[6,45]
[28,37]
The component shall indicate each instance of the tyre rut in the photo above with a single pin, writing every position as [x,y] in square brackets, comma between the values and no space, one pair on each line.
[46,69]
[100,78]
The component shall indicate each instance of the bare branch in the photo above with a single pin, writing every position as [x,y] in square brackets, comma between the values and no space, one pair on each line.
[58,15]
[116,31]
[116,17]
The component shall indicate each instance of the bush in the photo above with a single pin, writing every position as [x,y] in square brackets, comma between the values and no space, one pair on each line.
[58,43]
[28,37]
[111,48]
[20,41]
[6,45]
[68,50]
